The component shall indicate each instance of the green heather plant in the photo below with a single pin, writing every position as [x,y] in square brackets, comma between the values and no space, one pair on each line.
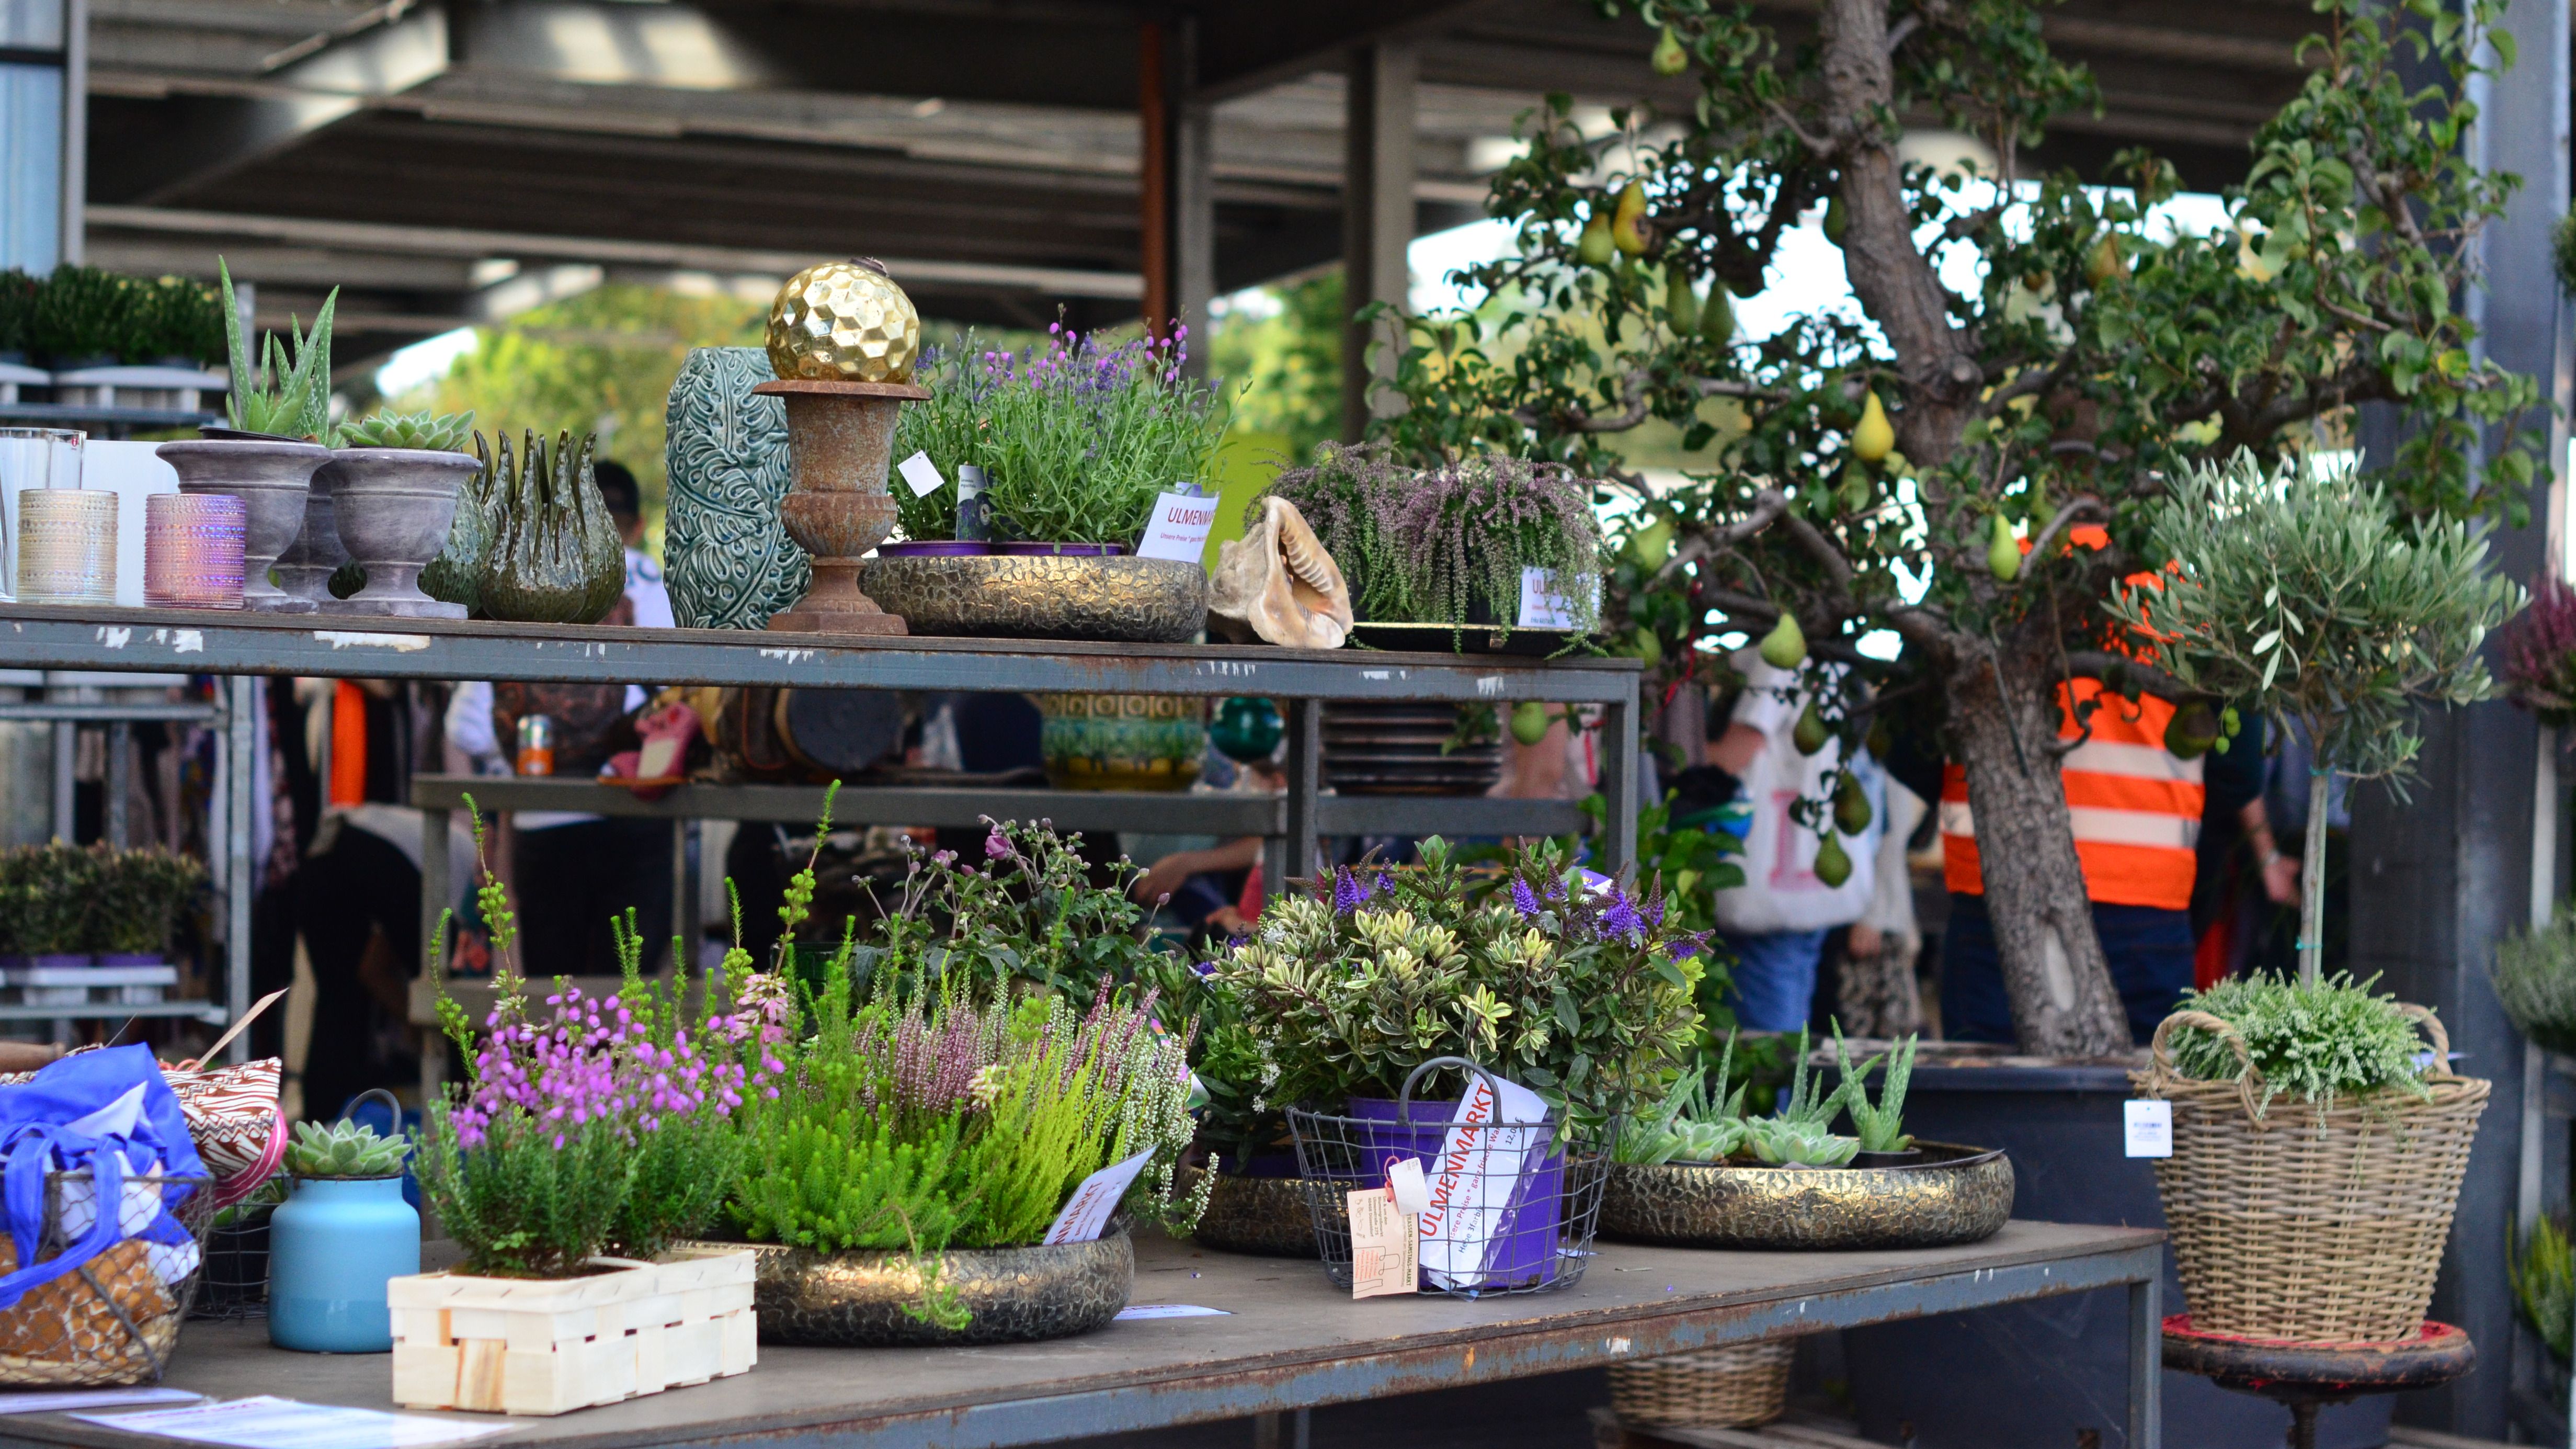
[344,1151]
[1075,438]
[282,397]
[587,1127]
[432,432]
[1880,1125]
[2544,1283]
[17,312]
[138,895]
[1439,545]
[177,319]
[2535,979]
[2316,1042]
[2307,593]
[54,892]
[1580,992]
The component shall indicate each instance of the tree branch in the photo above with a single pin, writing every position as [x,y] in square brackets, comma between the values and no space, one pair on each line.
[2104,665]
[1768,505]
[2083,507]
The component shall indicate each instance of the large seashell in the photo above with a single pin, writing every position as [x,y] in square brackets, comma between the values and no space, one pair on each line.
[1278,584]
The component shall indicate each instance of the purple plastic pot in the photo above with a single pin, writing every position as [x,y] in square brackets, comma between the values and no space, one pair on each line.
[1063,550]
[62,960]
[1264,1164]
[936,548]
[132,958]
[1522,1250]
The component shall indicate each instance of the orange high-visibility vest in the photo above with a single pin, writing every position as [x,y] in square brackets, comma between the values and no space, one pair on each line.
[2136,808]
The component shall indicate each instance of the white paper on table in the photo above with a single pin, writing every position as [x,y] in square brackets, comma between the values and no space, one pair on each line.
[1179,527]
[1473,1181]
[1087,1211]
[268,1422]
[921,475]
[1543,605]
[55,1403]
[1134,1312]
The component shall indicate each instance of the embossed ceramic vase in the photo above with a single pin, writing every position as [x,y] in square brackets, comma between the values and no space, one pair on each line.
[1122,741]
[67,546]
[272,478]
[192,551]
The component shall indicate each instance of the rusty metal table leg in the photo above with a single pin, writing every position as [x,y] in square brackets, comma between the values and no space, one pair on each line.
[2146,1364]
[1267,1430]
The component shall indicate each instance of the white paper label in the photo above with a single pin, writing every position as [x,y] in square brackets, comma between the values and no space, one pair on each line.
[267,1422]
[1385,1248]
[1478,1177]
[1404,1179]
[922,474]
[1179,528]
[2150,1127]
[1134,1312]
[1542,605]
[1087,1211]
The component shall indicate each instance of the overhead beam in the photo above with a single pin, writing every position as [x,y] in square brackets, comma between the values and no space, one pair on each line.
[160,149]
[476,243]
[1246,47]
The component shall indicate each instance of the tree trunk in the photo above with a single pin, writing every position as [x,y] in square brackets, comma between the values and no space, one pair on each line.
[2063,1003]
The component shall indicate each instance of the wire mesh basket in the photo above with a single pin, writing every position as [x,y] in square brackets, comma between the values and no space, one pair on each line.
[234,1284]
[115,1318]
[1513,1203]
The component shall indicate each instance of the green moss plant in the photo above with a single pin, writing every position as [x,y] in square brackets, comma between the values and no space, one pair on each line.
[2318,1043]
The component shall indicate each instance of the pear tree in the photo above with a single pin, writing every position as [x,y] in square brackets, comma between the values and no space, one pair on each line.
[1970,461]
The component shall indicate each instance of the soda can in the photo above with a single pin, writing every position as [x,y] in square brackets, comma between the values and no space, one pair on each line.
[536,745]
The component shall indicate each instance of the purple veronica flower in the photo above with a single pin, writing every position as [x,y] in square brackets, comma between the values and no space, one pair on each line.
[1524,900]
[1349,893]
[1621,919]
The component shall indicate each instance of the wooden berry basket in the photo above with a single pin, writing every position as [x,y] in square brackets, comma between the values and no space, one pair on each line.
[549,1346]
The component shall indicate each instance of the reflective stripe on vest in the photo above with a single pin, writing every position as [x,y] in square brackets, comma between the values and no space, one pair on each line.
[2134,807]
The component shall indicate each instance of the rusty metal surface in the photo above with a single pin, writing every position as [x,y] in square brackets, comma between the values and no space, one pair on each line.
[2281,1369]
[1960,1195]
[36,636]
[1290,1341]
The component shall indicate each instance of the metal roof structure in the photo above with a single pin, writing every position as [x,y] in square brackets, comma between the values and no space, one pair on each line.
[454,161]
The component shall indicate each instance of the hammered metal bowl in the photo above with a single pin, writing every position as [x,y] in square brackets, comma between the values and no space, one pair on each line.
[1017,1295]
[1267,1217]
[1044,596]
[1957,1195]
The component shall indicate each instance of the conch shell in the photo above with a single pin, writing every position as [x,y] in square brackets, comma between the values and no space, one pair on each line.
[1277,583]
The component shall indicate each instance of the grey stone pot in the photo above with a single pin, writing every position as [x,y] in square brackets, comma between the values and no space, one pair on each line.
[272,479]
[394,506]
[304,570]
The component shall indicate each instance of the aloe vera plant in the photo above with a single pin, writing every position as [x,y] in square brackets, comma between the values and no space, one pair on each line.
[1880,1126]
[344,1150]
[1693,1123]
[287,399]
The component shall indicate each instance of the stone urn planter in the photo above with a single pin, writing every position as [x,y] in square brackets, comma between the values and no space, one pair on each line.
[840,438]
[304,570]
[394,507]
[272,477]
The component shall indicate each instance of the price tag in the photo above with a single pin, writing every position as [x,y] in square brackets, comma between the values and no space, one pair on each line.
[921,474]
[1087,1211]
[1386,1256]
[1179,526]
[1404,1179]
[2149,1127]
[1543,605]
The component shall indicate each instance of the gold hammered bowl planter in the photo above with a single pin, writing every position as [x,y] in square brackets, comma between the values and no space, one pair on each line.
[1956,1195]
[1118,599]
[1016,1295]
[1266,1217]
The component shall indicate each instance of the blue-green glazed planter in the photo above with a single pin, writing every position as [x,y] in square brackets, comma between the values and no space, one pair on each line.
[333,1245]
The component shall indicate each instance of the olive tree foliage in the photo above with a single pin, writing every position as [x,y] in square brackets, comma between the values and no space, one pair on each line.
[2098,353]
[2303,593]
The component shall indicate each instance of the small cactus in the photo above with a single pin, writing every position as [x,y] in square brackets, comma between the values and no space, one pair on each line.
[435,432]
[344,1150]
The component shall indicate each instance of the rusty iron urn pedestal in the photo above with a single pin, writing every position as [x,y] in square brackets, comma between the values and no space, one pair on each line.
[840,438]
[2305,1377]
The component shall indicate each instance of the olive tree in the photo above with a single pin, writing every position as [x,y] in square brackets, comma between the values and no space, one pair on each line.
[1969,467]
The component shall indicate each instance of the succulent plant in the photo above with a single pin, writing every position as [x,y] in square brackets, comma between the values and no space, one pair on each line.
[1785,1142]
[344,1150]
[432,432]
[1881,1127]
[1698,1120]
[278,398]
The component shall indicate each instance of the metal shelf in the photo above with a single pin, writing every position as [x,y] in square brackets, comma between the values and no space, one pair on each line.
[210,1012]
[110,713]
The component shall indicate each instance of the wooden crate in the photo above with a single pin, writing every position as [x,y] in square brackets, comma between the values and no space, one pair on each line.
[522,1346]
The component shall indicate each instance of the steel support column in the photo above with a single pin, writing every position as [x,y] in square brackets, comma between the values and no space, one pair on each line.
[240,730]
[2435,881]
[1377,213]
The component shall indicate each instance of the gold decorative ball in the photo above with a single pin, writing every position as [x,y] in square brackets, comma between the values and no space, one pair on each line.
[844,322]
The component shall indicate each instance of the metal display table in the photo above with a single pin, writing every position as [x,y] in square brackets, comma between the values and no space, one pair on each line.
[1292,1342]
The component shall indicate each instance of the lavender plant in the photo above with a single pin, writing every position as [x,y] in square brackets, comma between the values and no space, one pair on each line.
[1439,545]
[589,1126]
[1559,979]
[1075,438]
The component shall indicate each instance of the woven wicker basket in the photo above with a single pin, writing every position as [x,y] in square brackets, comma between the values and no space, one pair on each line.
[1727,1388]
[2306,1223]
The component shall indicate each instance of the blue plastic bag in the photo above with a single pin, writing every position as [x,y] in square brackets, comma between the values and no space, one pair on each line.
[107,1113]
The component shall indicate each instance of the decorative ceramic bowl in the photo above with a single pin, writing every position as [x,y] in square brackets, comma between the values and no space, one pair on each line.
[1121,599]
[1954,1195]
[1016,1295]
[1122,741]
[1268,1217]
